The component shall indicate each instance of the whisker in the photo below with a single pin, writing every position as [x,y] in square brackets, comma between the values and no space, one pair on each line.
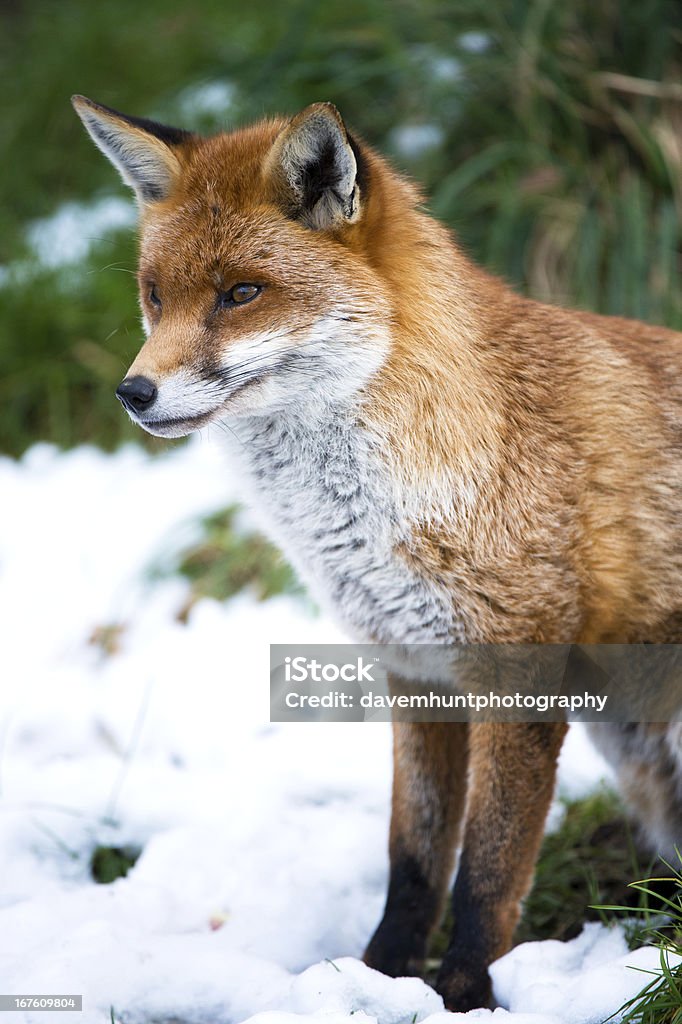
[228,429]
[230,373]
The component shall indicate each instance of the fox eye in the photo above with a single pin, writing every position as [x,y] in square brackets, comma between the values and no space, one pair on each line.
[239,295]
[154,296]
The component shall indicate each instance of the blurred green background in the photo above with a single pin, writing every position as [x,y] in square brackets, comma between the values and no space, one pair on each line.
[547,133]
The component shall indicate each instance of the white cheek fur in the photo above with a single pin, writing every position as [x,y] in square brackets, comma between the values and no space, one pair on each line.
[185,394]
[335,345]
[330,360]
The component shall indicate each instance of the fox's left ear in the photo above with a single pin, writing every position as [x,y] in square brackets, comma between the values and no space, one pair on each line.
[145,153]
[315,167]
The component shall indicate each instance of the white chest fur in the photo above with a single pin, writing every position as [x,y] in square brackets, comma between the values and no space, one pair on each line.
[318,482]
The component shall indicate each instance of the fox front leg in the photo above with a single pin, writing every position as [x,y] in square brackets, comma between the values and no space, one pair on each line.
[512,768]
[429,789]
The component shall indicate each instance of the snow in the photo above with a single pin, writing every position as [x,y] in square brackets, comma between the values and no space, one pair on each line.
[263,847]
[214,98]
[67,236]
[474,42]
[414,140]
[583,980]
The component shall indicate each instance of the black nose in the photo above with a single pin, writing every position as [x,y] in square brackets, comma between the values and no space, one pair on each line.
[136,393]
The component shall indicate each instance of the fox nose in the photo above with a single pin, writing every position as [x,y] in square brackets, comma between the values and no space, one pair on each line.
[136,393]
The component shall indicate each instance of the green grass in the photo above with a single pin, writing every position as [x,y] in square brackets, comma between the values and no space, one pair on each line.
[558,163]
[660,1000]
[660,924]
[111,862]
[66,339]
[226,560]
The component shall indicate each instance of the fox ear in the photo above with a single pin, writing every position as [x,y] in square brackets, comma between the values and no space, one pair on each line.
[144,152]
[315,167]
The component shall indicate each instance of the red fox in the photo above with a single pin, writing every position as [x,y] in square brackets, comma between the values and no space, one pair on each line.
[441,459]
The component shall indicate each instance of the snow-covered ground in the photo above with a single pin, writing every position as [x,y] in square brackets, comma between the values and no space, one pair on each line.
[263,864]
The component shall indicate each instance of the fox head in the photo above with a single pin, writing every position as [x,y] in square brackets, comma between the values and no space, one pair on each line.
[255,284]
